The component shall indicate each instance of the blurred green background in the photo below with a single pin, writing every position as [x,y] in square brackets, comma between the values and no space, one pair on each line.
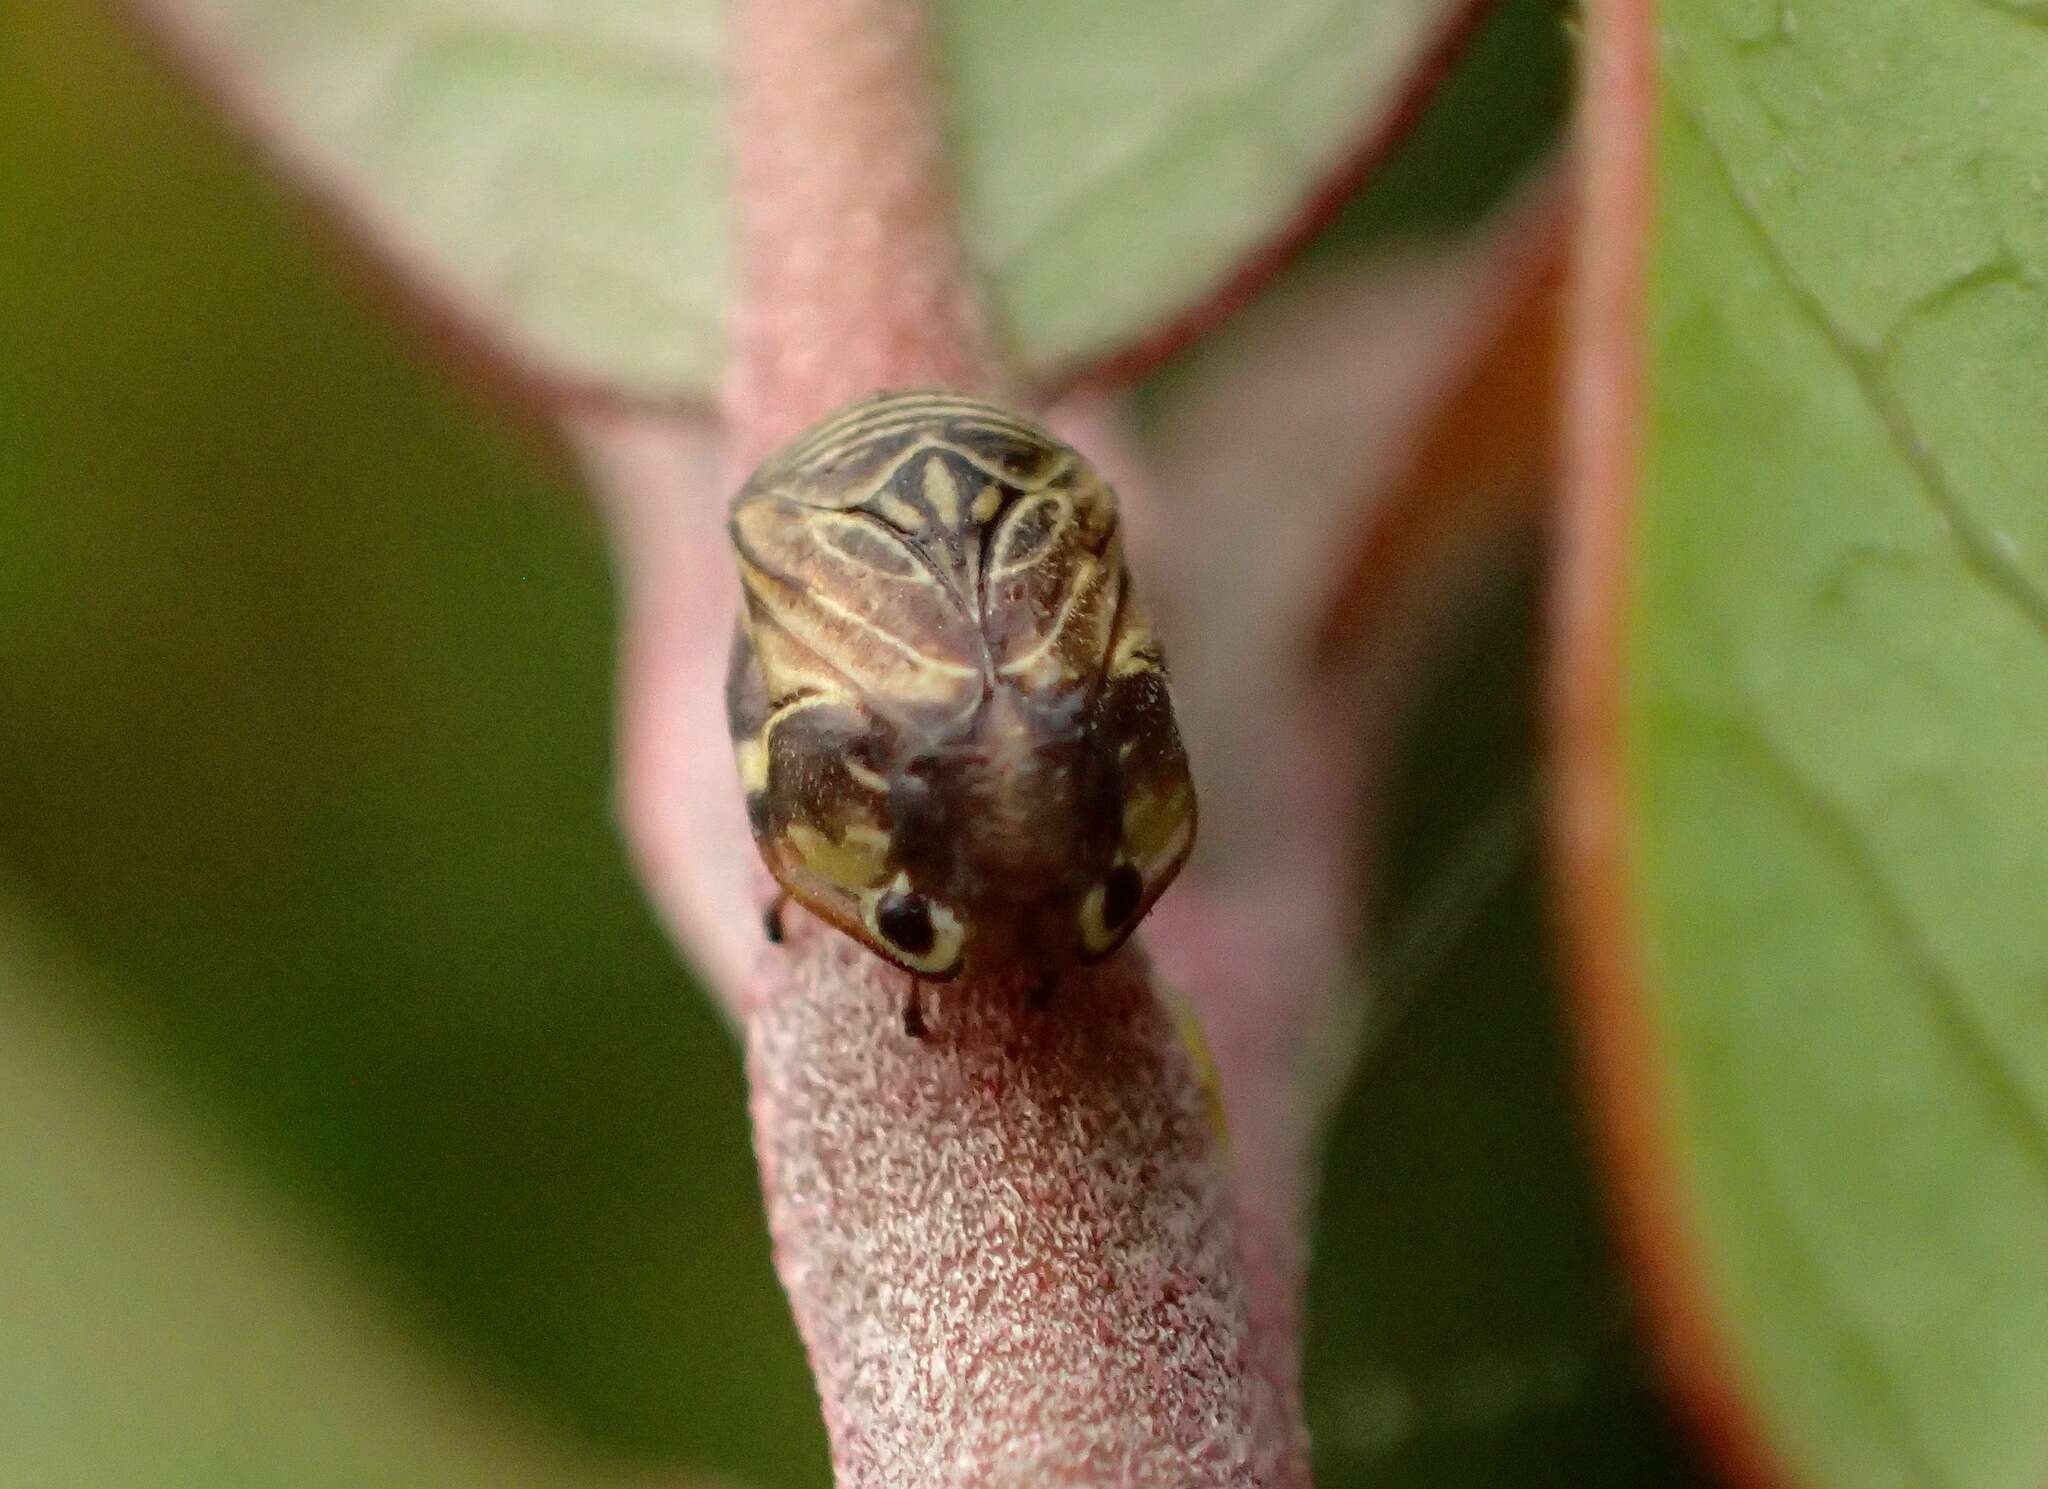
[305,661]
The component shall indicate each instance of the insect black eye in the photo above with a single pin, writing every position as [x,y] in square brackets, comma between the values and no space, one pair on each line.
[1121,892]
[1107,909]
[906,919]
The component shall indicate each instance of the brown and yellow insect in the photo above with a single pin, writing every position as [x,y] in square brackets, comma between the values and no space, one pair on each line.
[951,718]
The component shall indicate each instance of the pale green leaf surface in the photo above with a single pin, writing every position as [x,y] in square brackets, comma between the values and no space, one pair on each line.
[555,169]
[305,731]
[1839,717]
[163,1326]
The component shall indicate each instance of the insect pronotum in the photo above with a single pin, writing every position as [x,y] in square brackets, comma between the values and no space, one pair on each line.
[950,714]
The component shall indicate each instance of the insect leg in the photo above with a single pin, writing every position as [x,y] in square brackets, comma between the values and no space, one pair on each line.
[771,917]
[913,1012]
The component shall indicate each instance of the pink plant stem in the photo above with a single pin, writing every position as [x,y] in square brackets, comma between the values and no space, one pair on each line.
[1012,1249]
[1015,1252]
[852,275]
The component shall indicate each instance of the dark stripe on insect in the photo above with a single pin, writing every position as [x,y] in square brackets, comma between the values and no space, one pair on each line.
[873,446]
[867,419]
[832,445]
[796,587]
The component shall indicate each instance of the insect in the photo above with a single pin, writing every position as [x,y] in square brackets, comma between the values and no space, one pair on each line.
[950,715]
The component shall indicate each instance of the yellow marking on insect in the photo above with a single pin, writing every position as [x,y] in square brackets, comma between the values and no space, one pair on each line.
[871,491]
[1170,852]
[810,697]
[769,589]
[848,425]
[854,863]
[1027,483]
[868,835]
[880,418]
[987,502]
[1094,934]
[874,780]
[884,433]
[797,705]
[947,931]
[1156,826]
[1188,1024]
[947,934]
[856,541]
[900,513]
[1041,663]
[752,754]
[1134,651]
[1042,669]
[942,493]
[937,679]
[780,659]
[1008,560]
[863,494]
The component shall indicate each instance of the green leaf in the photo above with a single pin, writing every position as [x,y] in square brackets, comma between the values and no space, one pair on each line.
[1838,718]
[556,171]
[164,1327]
[305,733]
[1494,116]
[1468,1319]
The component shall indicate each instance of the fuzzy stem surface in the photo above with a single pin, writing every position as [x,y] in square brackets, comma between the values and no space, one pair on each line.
[1011,1248]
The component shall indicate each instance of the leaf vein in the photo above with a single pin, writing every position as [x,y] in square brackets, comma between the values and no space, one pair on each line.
[1983,555]
[1974,1044]
[1854,1343]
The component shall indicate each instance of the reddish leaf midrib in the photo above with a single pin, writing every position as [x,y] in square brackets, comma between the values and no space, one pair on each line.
[1597,888]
